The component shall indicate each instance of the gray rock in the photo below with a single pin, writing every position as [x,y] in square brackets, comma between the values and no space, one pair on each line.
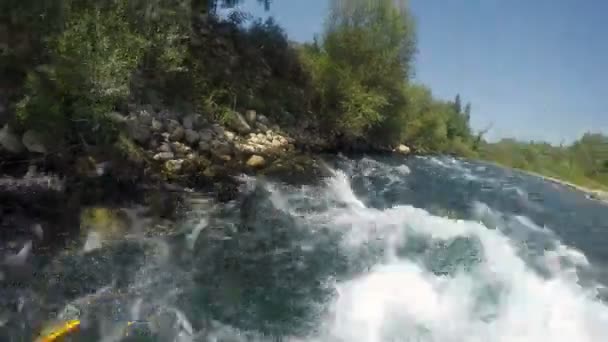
[262,127]
[164,156]
[144,117]
[178,134]
[204,146]
[221,148]
[189,121]
[156,125]
[10,141]
[262,119]
[218,129]
[164,147]
[206,135]
[180,150]
[165,135]
[256,161]
[229,135]
[192,137]
[33,142]
[172,125]
[250,116]
[238,123]
[139,131]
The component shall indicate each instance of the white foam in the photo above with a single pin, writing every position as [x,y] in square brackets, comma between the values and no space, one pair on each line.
[400,300]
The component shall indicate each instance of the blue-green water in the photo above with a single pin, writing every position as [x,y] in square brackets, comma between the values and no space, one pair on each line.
[387,249]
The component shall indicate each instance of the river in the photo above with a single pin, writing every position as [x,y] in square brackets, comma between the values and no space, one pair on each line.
[386,249]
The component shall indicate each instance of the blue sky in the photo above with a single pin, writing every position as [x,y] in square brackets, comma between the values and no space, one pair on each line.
[532,69]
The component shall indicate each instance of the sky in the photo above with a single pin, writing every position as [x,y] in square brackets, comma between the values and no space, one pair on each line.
[532,69]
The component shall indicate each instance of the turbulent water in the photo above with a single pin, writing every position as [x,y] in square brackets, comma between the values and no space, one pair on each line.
[416,249]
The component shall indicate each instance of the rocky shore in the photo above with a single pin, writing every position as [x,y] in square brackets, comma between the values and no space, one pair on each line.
[159,156]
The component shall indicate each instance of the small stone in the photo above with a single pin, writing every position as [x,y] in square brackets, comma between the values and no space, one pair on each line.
[220,147]
[225,157]
[165,136]
[261,137]
[250,116]
[256,161]
[191,136]
[276,143]
[139,131]
[164,156]
[269,133]
[177,134]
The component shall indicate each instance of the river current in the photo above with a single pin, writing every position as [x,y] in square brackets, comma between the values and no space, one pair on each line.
[385,249]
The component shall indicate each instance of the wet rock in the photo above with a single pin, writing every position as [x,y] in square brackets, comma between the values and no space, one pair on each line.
[237,123]
[250,116]
[180,150]
[33,142]
[191,136]
[164,156]
[256,161]
[105,223]
[172,125]
[221,148]
[178,134]
[9,141]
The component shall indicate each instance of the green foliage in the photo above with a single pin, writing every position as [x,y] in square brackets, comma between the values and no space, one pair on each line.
[583,162]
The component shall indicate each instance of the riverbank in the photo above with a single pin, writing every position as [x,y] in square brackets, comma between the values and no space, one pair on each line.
[595,194]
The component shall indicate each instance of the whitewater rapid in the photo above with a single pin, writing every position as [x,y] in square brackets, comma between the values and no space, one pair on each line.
[371,254]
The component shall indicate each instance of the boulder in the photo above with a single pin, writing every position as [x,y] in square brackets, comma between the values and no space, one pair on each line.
[237,123]
[164,156]
[177,134]
[276,143]
[250,116]
[33,142]
[192,136]
[180,150]
[10,141]
[116,118]
[256,161]
[402,149]
[261,137]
